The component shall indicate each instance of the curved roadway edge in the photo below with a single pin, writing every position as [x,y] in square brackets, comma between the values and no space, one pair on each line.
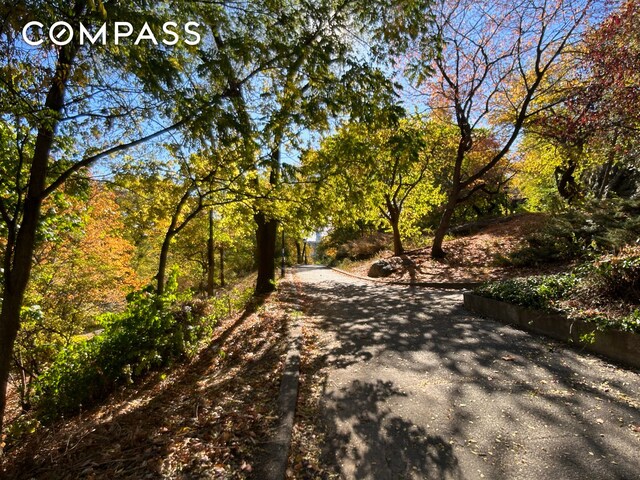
[442,285]
[622,347]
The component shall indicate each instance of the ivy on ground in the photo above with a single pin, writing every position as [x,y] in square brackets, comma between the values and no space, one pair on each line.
[605,291]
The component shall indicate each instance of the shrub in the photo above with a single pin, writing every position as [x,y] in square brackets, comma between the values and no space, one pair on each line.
[152,332]
[630,323]
[604,227]
[352,244]
[533,292]
[364,247]
[615,277]
[556,242]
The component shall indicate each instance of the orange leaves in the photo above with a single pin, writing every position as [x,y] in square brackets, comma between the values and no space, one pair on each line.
[86,269]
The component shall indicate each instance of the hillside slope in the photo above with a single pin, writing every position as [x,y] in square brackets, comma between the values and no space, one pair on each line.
[470,258]
[207,418]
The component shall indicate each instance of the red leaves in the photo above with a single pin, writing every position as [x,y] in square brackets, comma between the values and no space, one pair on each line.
[613,54]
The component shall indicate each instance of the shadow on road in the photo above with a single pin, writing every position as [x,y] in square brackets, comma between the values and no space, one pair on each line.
[414,375]
[394,447]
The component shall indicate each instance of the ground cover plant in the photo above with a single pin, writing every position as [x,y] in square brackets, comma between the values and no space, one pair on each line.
[605,291]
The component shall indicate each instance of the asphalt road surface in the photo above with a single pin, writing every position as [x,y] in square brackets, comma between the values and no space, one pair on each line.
[419,388]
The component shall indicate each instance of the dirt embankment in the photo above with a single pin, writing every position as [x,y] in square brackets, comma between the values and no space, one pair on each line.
[207,418]
[470,258]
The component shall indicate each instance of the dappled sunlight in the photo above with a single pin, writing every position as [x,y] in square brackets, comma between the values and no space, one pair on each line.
[472,258]
[377,438]
[177,423]
[488,399]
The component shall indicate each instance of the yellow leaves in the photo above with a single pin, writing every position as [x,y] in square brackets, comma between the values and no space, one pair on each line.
[535,171]
[175,63]
[369,169]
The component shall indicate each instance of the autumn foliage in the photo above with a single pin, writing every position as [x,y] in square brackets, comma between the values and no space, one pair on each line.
[86,265]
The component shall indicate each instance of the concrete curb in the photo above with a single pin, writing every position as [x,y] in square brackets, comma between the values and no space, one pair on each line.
[442,285]
[623,347]
[274,466]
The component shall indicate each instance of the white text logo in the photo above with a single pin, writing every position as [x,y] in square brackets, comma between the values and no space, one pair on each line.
[62,33]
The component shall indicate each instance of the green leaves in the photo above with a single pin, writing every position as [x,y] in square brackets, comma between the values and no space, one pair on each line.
[371,172]
[152,332]
[534,292]
[98,6]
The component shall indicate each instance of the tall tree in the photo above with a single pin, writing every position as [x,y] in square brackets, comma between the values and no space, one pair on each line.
[67,107]
[371,172]
[304,67]
[205,182]
[595,122]
[493,60]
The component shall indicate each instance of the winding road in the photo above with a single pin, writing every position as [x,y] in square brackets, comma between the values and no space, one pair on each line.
[418,388]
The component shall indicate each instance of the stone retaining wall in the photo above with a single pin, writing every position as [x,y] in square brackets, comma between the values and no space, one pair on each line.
[623,347]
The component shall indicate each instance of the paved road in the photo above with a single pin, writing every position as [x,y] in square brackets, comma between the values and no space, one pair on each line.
[418,388]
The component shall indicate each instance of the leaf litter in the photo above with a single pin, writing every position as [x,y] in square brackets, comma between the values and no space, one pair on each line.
[208,418]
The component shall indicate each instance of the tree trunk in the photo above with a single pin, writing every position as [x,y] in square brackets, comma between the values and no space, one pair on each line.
[221,266]
[304,252]
[25,403]
[567,186]
[443,227]
[162,264]
[266,235]
[210,258]
[604,177]
[298,253]
[393,216]
[267,232]
[174,228]
[282,256]
[9,325]
[398,249]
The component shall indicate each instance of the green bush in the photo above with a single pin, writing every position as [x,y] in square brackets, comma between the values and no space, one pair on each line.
[533,292]
[603,227]
[630,323]
[615,277]
[605,291]
[152,332]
